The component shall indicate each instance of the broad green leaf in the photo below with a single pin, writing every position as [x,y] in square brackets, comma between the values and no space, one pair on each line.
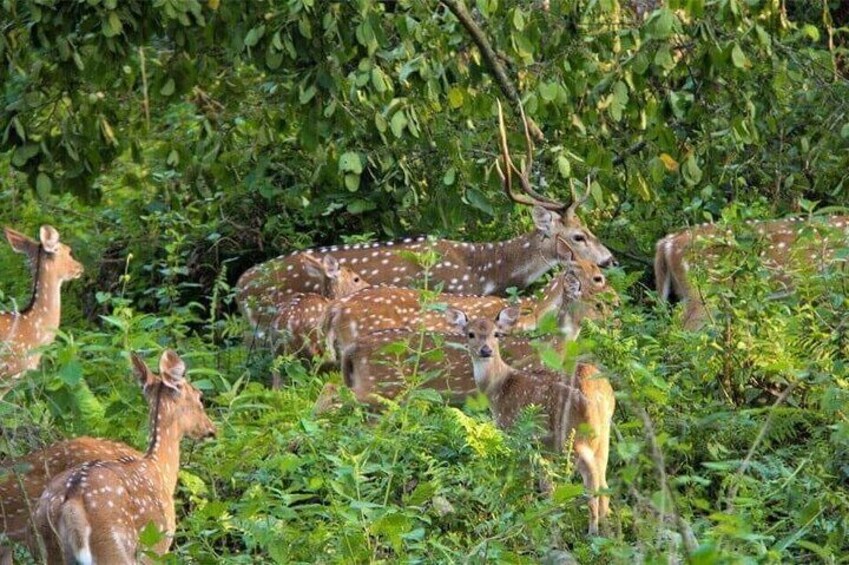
[350,161]
[691,171]
[564,167]
[43,184]
[738,57]
[168,88]
[449,176]
[254,35]
[352,182]
[398,123]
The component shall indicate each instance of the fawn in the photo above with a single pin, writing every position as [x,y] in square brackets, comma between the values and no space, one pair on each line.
[573,404]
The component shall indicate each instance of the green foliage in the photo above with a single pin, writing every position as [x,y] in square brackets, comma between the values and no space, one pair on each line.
[176,143]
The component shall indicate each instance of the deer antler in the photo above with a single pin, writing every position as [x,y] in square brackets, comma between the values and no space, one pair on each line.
[577,199]
[530,196]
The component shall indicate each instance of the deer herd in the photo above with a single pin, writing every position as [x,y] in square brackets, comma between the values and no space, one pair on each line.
[390,322]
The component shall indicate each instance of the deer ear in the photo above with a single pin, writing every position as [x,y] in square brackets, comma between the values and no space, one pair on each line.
[564,252]
[331,266]
[457,318]
[172,369]
[545,220]
[507,318]
[313,266]
[572,287]
[20,242]
[49,238]
[143,374]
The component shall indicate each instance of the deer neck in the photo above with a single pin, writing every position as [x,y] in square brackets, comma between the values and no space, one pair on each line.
[45,307]
[515,262]
[164,445]
[550,301]
[490,373]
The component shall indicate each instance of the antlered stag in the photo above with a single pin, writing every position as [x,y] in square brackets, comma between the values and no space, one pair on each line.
[469,268]
[788,245]
[24,332]
[95,512]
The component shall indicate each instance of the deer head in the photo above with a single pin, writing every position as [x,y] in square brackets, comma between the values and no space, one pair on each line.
[336,281]
[552,217]
[174,401]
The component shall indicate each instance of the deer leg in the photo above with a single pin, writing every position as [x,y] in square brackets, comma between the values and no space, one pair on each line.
[587,467]
[5,555]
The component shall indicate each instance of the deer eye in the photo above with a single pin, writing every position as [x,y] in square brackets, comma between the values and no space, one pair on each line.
[599,279]
[356,279]
[471,335]
[579,237]
[497,334]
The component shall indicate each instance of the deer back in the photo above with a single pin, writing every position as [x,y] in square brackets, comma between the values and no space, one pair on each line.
[23,480]
[788,246]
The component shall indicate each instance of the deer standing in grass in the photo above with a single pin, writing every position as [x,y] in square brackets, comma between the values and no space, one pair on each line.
[379,363]
[470,268]
[94,513]
[788,245]
[23,480]
[579,405]
[381,307]
[23,333]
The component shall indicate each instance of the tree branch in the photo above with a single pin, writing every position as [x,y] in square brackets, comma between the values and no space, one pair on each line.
[458,8]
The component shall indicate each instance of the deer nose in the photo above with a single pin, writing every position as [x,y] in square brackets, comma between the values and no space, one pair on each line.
[486,351]
[211,431]
[609,262]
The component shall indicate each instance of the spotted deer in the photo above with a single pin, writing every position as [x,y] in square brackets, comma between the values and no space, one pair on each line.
[23,480]
[382,307]
[23,333]
[787,245]
[262,306]
[381,363]
[297,325]
[464,268]
[93,513]
[579,405]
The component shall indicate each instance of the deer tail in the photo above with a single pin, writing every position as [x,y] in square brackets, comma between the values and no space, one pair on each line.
[74,532]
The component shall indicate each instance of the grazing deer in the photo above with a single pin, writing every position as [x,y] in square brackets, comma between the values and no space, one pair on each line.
[23,480]
[93,513]
[265,308]
[379,363]
[381,307]
[297,325]
[464,268]
[818,237]
[574,405]
[23,333]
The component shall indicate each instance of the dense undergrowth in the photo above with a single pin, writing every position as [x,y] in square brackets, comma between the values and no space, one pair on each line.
[730,444]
